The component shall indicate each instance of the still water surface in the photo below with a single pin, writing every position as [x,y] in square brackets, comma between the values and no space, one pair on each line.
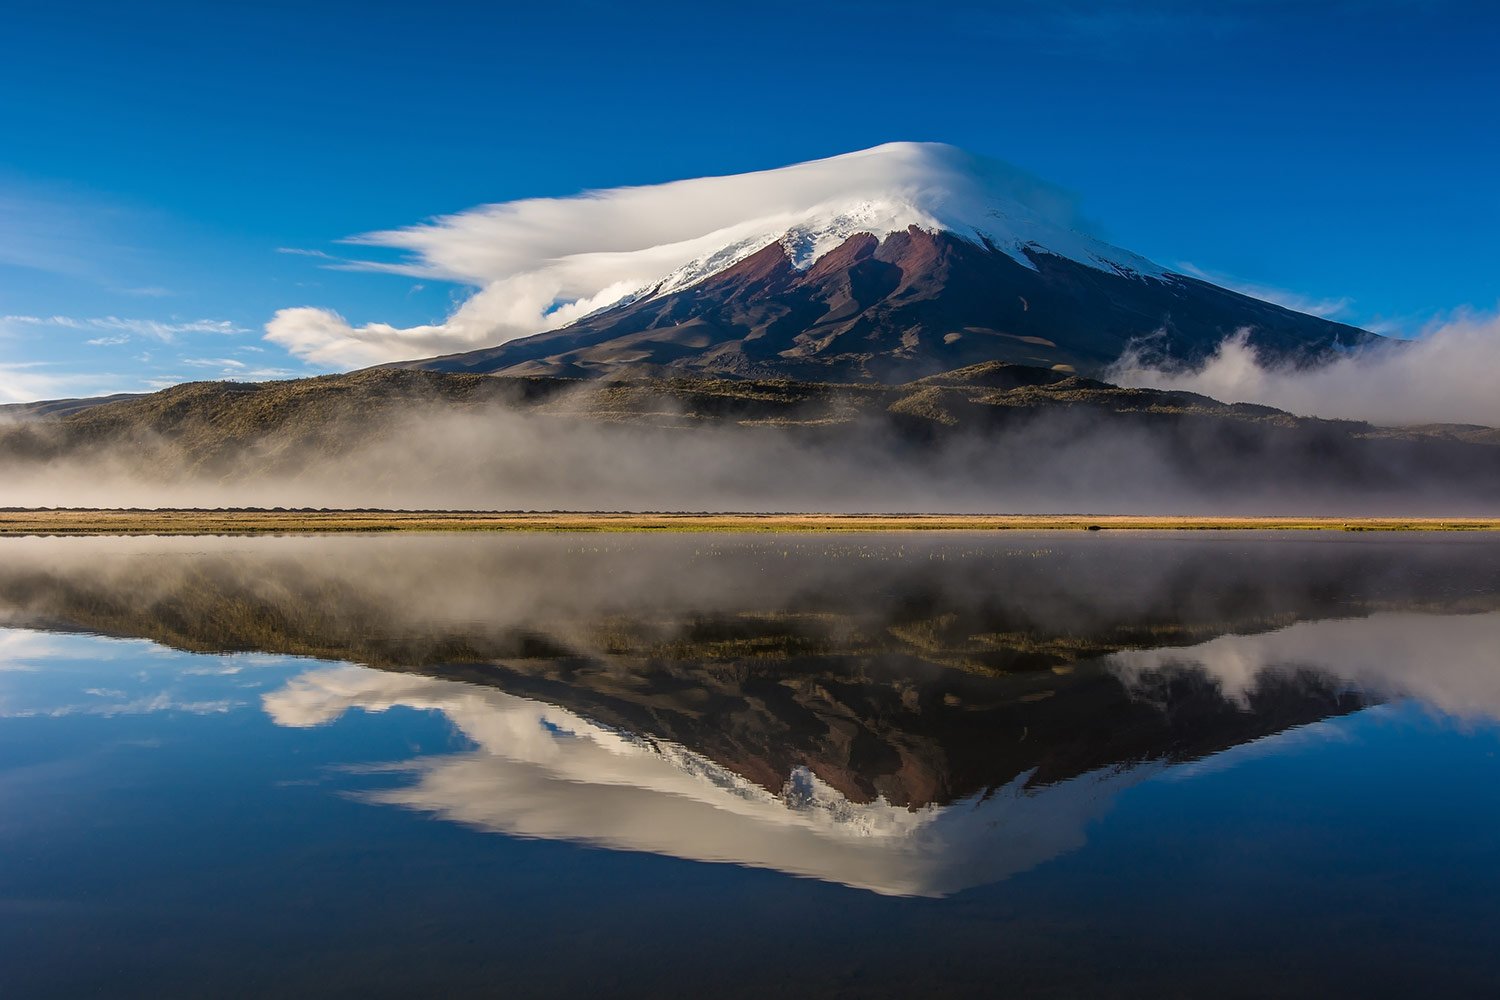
[549,765]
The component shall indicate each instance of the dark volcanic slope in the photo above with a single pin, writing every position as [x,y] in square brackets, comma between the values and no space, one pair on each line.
[911,305]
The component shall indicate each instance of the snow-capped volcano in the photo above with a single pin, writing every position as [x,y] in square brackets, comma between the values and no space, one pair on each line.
[872,264]
[900,185]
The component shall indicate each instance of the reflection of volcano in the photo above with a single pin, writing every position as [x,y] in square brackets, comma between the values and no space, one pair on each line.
[913,669]
[542,771]
[905,732]
[907,714]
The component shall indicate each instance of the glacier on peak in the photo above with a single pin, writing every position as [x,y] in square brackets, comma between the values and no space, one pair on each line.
[890,188]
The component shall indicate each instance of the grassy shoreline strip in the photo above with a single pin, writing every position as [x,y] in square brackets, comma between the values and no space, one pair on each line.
[214,522]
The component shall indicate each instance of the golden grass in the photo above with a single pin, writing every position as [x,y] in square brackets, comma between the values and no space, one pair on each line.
[214,522]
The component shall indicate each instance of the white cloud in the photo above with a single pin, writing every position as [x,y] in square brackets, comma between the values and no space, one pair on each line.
[227,363]
[108,341]
[1447,375]
[541,263]
[325,338]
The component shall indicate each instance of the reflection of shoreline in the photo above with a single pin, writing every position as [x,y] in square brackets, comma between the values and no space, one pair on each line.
[541,771]
[212,522]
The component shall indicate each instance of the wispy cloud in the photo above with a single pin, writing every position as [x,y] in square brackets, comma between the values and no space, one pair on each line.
[58,230]
[22,382]
[300,252]
[231,363]
[166,331]
[234,368]
[146,705]
[40,234]
[1328,308]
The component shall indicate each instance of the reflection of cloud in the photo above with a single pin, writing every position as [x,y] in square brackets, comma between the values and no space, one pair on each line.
[24,651]
[160,702]
[1450,662]
[79,674]
[542,771]
[26,643]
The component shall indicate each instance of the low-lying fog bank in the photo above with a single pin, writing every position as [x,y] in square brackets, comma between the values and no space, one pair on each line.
[986,445]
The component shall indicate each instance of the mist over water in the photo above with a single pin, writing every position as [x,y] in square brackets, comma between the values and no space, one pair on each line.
[374,587]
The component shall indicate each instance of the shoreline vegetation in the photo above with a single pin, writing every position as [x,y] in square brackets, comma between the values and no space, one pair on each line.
[73,521]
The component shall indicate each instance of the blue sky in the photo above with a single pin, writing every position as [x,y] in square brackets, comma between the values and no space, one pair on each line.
[154,156]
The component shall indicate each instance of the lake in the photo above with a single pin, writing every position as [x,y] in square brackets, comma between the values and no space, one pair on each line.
[959,764]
